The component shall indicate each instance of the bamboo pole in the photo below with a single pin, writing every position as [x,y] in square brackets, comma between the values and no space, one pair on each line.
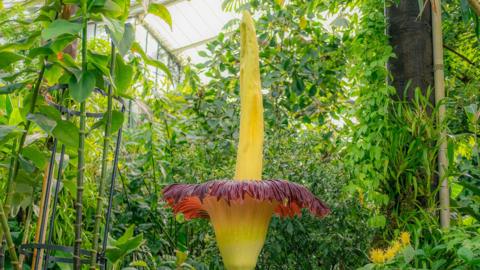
[103,174]
[26,233]
[77,261]
[8,237]
[16,151]
[475,4]
[439,96]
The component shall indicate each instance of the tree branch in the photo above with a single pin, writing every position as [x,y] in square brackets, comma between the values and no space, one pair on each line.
[459,54]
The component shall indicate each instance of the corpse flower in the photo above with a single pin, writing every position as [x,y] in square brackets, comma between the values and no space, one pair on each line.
[240,210]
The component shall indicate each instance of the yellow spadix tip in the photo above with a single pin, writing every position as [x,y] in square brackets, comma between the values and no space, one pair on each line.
[250,146]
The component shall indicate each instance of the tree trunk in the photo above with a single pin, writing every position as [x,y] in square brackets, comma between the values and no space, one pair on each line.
[410,34]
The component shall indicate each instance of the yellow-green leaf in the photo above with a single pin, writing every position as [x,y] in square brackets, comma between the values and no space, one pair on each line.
[161,12]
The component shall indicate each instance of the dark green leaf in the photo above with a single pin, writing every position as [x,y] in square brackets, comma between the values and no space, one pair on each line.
[44,122]
[123,76]
[117,249]
[67,133]
[127,39]
[60,27]
[9,88]
[465,253]
[80,90]
[116,124]
[114,28]
[8,58]
[50,112]
[37,157]
[39,51]
[60,43]
[100,61]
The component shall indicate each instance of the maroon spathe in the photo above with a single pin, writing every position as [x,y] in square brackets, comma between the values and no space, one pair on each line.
[291,197]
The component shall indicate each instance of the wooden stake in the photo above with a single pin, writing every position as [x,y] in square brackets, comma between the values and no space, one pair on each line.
[439,96]
[43,200]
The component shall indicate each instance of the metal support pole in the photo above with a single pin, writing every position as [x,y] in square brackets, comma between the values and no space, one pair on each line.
[111,192]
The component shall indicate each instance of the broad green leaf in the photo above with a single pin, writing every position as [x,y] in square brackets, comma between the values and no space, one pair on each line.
[60,43]
[126,235]
[117,120]
[67,133]
[117,249]
[112,9]
[100,61]
[8,58]
[10,88]
[116,124]
[114,28]
[137,48]
[39,51]
[125,7]
[21,45]
[127,40]
[123,76]
[8,131]
[44,122]
[15,117]
[37,157]
[60,27]
[80,90]
[50,112]
[53,74]
[465,253]
[161,12]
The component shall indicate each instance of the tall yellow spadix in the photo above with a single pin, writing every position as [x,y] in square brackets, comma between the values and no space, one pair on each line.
[240,211]
[250,145]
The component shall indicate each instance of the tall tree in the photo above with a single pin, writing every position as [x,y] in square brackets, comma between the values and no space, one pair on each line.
[409,29]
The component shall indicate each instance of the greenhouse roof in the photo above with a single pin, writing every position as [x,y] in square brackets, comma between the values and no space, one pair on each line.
[194,23]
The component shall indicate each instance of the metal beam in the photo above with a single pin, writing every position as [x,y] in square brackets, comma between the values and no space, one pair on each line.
[198,43]
[156,35]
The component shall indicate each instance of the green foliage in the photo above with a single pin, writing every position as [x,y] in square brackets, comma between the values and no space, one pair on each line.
[117,249]
[457,248]
[331,124]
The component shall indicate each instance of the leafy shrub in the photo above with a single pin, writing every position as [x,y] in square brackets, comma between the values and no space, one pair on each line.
[457,248]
